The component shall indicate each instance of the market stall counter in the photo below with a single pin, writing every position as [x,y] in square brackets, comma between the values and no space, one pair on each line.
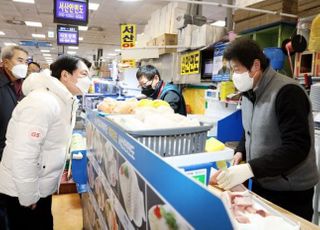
[131,186]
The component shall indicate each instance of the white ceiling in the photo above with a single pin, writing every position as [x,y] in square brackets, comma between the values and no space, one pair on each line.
[109,16]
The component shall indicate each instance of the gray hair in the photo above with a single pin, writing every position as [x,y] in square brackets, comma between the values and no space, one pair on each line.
[7,52]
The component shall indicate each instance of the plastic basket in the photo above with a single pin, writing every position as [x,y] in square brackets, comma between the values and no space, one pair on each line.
[175,141]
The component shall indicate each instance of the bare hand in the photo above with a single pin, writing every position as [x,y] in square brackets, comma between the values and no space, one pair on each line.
[237,158]
[213,179]
[33,206]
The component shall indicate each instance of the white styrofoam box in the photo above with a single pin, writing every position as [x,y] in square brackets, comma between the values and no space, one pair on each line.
[156,22]
[186,34]
[153,25]
[218,33]
[139,54]
[205,35]
[183,6]
[195,37]
[147,31]
[163,17]
[168,18]
[141,40]
[178,19]
[218,109]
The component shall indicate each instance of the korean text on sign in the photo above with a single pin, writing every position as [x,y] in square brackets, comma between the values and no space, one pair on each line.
[71,10]
[190,63]
[128,36]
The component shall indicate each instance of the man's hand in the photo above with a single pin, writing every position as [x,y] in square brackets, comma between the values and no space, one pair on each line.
[33,206]
[234,175]
[237,158]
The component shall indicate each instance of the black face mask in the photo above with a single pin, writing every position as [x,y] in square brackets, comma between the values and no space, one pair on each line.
[148,91]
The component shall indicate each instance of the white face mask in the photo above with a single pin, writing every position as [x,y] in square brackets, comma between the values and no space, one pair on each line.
[84,84]
[20,71]
[242,81]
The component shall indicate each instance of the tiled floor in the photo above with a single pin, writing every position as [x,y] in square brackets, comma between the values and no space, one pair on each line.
[67,212]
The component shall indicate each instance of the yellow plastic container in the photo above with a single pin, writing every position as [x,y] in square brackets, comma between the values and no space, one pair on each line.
[213,145]
[314,40]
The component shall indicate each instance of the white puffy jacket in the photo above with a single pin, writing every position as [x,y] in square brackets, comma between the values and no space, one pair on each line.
[38,136]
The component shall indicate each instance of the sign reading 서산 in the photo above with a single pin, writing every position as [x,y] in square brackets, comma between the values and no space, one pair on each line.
[128,36]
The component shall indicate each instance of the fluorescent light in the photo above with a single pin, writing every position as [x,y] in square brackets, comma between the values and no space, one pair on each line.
[47,55]
[71,52]
[83,28]
[9,44]
[34,24]
[117,50]
[24,1]
[45,51]
[50,34]
[2,33]
[220,23]
[73,47]
[80,38]
[112,54]
[93,6]
[38,36]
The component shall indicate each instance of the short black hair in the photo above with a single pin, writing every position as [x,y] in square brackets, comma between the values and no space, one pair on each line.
[32,62]
[149,71]
[64,62]
[245,51]
[85,61]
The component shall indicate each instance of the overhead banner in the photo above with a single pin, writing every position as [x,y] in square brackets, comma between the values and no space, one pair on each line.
[67,35]
[74,12]
[190,63]
[128,36]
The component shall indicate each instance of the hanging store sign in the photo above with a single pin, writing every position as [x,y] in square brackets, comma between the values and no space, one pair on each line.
[190,63]
[129,63]
[67,35]
[73,12]
[128,36]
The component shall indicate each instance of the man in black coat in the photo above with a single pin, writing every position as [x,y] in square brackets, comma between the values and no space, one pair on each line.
[13,70]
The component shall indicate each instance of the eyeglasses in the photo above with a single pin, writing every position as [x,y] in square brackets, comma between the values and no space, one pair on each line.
[144,85]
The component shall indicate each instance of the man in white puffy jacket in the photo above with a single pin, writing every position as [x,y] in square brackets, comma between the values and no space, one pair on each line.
[38,137]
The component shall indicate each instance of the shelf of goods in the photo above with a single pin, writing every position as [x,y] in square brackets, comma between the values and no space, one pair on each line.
[132,187]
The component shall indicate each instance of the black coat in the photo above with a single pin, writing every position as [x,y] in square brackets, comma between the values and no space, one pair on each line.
[8,101]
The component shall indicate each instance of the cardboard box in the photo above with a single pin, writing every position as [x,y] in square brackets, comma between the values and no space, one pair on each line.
[151,42]
[284,6]
[308,8]
[259,21]
[167,39]
[245,20]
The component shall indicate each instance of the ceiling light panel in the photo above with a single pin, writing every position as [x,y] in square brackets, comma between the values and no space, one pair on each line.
[93,6]
[83,28]
[24,1]
[38,35]
[33,24]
